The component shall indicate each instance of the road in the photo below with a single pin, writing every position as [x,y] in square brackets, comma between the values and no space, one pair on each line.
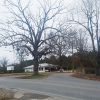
[61,84]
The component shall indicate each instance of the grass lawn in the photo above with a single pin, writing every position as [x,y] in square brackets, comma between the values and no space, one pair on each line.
[14,74]
[11,74]
[27,75]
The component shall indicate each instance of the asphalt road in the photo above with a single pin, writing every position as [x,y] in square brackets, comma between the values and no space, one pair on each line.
[62,85]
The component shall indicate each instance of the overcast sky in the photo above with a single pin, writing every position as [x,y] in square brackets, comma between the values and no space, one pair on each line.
[8,51]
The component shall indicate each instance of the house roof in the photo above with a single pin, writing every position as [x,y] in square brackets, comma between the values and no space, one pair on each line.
[32,66]
[44,65]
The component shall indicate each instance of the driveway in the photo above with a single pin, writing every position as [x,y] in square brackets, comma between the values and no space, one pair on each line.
[59,84]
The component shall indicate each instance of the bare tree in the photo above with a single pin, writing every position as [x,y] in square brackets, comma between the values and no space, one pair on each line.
[97,21]
[26,31]
[60,43]
[77,43]
[81,41]
[90,12]
[21,54]
[72,41]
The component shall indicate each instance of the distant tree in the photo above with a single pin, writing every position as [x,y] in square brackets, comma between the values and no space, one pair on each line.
[88,18]
[81,41]
[60,43]
[85,61]
[21,55]
[90,12]
[3,63]
[53,60]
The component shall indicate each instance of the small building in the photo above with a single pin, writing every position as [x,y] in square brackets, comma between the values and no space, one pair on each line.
[29,68]
[10,68]
[44,67]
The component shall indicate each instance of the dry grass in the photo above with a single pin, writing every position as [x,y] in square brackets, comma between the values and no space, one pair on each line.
[32,76]
[87,76]
[14,74]
[6,94]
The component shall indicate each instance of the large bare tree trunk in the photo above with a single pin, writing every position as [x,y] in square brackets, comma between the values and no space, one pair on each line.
[36,66]
[36,62]
[60,61]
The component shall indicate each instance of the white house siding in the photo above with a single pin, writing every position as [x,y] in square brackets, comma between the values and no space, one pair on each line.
[42,67]
[10,68]
[29,69]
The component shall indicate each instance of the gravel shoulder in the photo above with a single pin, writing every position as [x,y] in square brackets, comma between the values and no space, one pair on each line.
[26,95]
[86,76]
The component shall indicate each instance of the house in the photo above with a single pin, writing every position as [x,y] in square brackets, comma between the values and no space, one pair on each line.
[29,68]
[10,68]
[44,67]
